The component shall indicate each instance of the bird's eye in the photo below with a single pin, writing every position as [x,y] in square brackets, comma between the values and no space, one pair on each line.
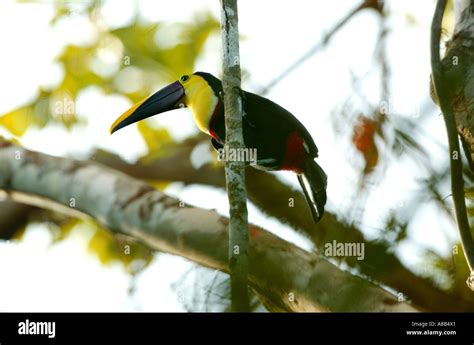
[184,78]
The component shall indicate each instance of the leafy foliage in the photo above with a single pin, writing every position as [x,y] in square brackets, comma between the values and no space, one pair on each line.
[133,48]
[137,52]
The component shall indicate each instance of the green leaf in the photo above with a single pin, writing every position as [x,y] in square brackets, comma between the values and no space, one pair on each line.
[155,138]
[110,248]
[17,121]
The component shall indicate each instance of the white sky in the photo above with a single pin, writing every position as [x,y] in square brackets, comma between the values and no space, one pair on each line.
[40,276]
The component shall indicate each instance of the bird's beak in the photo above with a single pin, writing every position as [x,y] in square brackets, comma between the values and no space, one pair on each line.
[168,98]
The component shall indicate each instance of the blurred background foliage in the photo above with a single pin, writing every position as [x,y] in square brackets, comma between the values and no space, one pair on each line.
[130,53]
[136,59]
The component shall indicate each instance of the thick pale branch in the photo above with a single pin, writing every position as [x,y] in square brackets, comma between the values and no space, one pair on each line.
[264,190]
[288,276]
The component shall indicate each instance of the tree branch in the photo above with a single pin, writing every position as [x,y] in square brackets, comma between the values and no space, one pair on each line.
[265,189]
[234,169]
[289,277]
[457,179]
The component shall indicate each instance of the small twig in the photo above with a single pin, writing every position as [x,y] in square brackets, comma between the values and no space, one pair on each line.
[320,44]
[457,179]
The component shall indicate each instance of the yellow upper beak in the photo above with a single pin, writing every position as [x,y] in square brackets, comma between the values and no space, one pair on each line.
[125,115]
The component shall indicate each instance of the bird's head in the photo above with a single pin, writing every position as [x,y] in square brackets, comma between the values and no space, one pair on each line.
[198,91]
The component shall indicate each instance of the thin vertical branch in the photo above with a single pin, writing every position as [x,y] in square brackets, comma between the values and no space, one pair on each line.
[235,170]
[457,179]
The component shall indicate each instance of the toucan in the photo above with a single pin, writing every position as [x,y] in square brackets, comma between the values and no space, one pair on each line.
[280,140]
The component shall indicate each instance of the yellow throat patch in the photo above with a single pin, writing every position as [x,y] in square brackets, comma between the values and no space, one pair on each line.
[200,98]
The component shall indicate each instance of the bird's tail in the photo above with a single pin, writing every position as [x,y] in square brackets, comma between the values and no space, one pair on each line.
[317,179]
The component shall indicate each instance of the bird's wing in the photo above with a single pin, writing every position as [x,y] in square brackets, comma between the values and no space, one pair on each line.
[245,116]
[261,114]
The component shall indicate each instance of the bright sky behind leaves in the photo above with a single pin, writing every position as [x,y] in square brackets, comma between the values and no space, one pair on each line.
[45,277]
